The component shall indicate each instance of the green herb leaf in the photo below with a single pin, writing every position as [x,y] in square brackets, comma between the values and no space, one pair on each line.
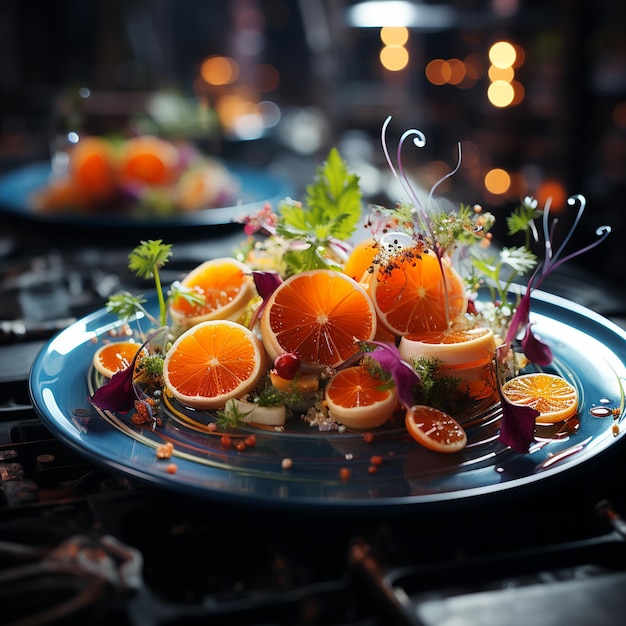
[148,257]
[331,212]
[125,305]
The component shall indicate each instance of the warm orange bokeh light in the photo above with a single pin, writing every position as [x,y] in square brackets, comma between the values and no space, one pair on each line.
[552,189]
[219,70]
[500,93]
[497,181]
[502,54]
[394,35]
[501,73]
[438,72]
[457,71]
[394,58]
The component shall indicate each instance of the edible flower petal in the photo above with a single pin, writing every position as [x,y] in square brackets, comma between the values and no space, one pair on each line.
[517,426]
[404,376]
[265,283]
[535,349]
[118,393]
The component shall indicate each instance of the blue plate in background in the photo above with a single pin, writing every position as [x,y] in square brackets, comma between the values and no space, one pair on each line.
[589,351]
[256,188]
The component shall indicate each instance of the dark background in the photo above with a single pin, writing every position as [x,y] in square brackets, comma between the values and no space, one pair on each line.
[570,126]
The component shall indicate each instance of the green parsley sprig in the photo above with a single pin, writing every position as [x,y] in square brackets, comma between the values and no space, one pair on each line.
[330,214]
[145,261]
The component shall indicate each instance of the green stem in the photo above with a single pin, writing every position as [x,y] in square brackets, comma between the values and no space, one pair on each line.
[162,309]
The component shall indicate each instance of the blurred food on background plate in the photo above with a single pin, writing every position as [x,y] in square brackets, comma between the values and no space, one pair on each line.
[140,153]
[145,174]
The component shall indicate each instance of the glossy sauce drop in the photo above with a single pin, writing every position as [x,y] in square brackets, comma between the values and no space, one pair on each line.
[601,411]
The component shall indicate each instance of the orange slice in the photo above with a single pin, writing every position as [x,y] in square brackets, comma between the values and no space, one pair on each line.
[114,357]
[92,169]
[320,315]
[149,160]
[412,295]
[358,399]
[213,362]
[227,287]
[435,429]
[554,397]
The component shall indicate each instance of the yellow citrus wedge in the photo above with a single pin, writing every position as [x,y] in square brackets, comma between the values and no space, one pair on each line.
[554,397]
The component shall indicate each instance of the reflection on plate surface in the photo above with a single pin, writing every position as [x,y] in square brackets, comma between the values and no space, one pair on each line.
[589,351]
[257,187]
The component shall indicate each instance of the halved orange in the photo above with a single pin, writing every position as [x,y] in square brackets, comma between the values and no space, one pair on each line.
[227,287]
[435,429]
[319,315]
[358,399]
[555,398]
[92,169]
[148,160]
[359,265]
[213,362]
[412,294]
[114,357]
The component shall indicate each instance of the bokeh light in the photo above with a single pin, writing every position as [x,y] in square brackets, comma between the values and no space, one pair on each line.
[394,35]
[502,54]
[554,190]
[438,72]
[219,70]
[394,58]
[500,93]
[497,181]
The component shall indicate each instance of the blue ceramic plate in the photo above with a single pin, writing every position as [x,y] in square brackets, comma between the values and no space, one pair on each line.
[589,351]
[17,187]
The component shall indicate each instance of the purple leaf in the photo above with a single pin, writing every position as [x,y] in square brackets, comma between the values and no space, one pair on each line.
[536,350]
[266,283]
[520,317]
[404,376]
[117,394]
[517,426]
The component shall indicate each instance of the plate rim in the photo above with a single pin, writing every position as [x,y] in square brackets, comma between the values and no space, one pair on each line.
[392,503]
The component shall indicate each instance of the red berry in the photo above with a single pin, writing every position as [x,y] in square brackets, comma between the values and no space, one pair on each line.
[287,365]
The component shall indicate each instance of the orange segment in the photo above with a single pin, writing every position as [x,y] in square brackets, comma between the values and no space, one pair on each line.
[358,399]
[435,429]
[213,362]
[227,287]
[114,357]
[555,398]
[149,160]
[320,315]
[411,295]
